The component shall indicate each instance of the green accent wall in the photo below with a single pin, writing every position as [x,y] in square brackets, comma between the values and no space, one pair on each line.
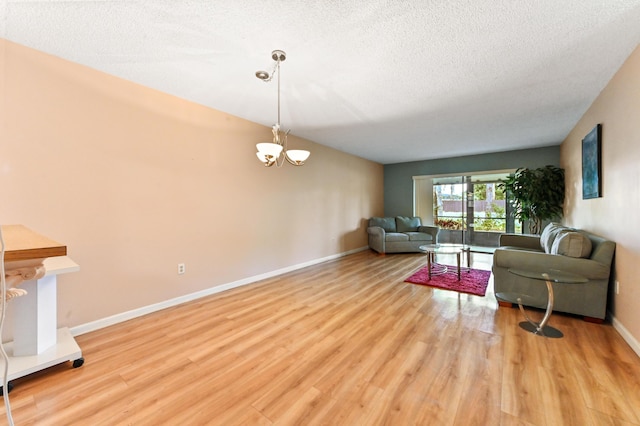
[398,178]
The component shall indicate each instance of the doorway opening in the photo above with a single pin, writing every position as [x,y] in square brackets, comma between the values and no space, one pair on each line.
[468,208]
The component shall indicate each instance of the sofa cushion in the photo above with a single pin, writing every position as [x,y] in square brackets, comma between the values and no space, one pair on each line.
[407,224]
[386,223]
[549,235]
[419,236]
[396,236]
[572,244]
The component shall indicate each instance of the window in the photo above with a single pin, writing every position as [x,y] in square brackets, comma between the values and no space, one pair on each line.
[470,208]
[489,208]
[449,203]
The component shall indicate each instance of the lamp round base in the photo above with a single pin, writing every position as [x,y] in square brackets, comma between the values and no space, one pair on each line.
[546,331]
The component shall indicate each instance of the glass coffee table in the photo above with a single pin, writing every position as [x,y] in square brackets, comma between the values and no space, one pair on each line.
[432,249]
[552,276]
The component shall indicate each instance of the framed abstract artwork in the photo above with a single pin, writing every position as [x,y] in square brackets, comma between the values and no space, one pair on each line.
[591,164]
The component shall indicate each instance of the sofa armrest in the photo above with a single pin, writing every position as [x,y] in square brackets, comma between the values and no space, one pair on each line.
[521,240]
[376,230]
[431,230]
[542,262]
[377,238]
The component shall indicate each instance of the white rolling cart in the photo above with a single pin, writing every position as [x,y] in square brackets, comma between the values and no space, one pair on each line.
[38,342]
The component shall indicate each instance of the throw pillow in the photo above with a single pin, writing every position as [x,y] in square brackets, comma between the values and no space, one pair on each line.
[544,236]
[407,224]
[572,244]
[554,233]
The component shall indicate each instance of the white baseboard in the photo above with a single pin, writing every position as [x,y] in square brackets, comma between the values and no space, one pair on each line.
[125,316]
[628,337]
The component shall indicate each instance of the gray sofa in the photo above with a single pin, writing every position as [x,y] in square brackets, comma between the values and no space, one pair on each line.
[399,234]
[557,248]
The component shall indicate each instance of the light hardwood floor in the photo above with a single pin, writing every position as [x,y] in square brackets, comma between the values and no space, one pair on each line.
[342,343]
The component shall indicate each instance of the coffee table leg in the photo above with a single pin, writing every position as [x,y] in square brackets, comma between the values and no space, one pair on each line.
[429,264]
[458,259]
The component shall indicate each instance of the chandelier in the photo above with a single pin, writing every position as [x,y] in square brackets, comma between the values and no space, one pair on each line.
[276,152]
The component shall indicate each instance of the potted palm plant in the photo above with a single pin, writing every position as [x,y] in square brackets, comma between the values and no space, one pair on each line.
[536,195]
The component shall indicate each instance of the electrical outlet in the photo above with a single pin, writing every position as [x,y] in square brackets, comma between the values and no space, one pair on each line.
[181,268]
[617,287]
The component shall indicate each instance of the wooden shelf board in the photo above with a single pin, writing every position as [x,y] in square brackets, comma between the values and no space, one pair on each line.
[21,243]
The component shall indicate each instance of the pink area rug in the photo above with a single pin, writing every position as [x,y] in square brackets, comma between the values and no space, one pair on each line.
[474,281]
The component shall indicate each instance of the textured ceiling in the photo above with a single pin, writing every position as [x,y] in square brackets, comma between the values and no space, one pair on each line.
[390,81]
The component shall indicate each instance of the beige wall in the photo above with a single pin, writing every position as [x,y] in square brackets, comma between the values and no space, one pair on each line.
[135,181]
[616,214]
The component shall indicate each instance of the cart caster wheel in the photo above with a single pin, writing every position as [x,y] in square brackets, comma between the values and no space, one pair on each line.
[78,362]
[9,389]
